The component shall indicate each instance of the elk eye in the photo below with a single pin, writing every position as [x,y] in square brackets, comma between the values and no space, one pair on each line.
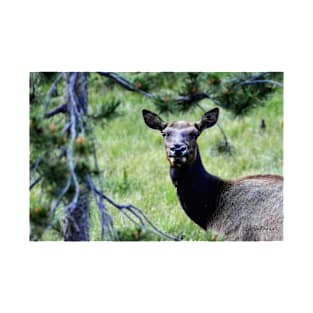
[164,134]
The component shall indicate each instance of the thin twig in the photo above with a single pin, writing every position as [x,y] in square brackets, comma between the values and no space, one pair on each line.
[141,224]
[34,183]
[127,84]
[56,204]
[262,81]
[137,212]
[61,195]
[66,127]
[131,87]
[51,92]
[105,216]
[178,238]
[258,78]
[240,78]
[69,153]
[60,109]
[36,164]
[34,167]
[99,201]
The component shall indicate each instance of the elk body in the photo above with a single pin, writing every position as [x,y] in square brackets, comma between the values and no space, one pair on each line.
[250,208]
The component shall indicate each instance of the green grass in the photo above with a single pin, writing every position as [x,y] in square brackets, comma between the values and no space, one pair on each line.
[136,170]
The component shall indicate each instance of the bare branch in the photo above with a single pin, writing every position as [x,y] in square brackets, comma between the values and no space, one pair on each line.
[259,78]
[141,224]
[66,127]
[106,219]
[73,135]
[137,212]
[192,98]
[61,195]
[106,226]
[127,84]
[262,81]
[60,109]
[157,230]
[76,209]
[36,164]
[55,205]
[51,92]
[34,183]
[33,169]
[131,87]
[240,78]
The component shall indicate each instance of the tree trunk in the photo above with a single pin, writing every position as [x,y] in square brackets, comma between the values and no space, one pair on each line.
[76,225]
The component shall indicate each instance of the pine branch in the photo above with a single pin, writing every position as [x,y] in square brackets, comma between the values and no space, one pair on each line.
[135,211]
[255,79]
[51,91]
[131,87]
[127,84]
[60,109]
[262,81]
[76,209]
[106,219]
[55,205]
[241,79]
[33,169]
[192,98]
[34,183]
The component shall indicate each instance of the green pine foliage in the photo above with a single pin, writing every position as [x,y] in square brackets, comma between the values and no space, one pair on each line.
[131,157]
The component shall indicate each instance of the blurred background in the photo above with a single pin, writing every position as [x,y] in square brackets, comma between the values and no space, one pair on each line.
[98,173]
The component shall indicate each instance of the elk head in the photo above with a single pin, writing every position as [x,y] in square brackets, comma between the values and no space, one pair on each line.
[180,137]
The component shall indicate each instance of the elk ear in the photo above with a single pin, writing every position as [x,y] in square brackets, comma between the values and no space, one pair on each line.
[209,119]
[153,121]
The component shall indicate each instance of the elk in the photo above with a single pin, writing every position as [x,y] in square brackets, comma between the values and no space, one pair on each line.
[245,209]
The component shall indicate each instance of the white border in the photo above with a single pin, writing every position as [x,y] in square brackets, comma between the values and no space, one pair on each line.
[156,36]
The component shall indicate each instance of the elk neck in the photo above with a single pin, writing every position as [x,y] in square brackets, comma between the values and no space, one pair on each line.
[197,190]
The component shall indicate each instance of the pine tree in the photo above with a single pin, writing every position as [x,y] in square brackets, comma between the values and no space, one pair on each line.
[63,158]
[64,163]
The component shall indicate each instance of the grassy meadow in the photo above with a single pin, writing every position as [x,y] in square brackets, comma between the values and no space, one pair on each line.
[136,171]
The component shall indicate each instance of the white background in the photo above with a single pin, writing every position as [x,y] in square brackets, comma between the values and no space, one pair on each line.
[156,36]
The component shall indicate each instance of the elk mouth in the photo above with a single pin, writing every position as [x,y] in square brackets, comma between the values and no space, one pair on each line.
[177,160]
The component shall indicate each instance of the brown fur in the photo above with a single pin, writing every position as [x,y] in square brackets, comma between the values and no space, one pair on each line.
[249,208]
[262,177]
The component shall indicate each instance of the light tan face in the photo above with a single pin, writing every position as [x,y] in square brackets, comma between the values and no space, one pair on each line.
[180,138]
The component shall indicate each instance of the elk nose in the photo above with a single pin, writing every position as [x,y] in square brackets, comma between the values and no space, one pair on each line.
[178,149]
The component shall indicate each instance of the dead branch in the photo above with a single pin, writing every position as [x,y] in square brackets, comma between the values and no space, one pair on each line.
[73,135]
[262,81]
[135,211]
[52,91]
[60,109]
[131,87]
[34,183]
[259,78]
[76,208]
[106,219]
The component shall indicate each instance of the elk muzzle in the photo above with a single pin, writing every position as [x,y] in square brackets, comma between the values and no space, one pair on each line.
[177,154]
[178,150]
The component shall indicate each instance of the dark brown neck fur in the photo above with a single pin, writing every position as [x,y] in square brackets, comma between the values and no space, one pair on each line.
[197,190]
